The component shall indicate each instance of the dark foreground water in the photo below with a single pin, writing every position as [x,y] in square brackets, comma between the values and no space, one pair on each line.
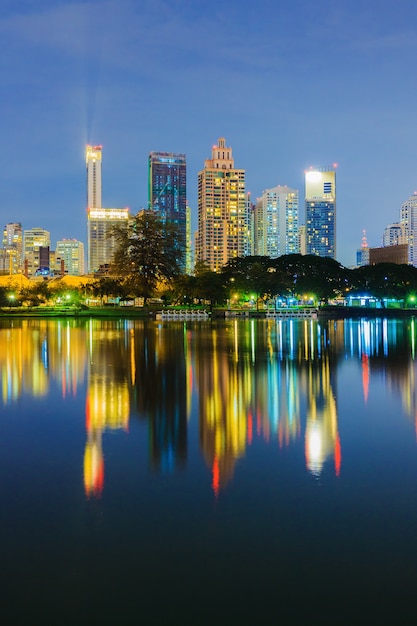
[248,472]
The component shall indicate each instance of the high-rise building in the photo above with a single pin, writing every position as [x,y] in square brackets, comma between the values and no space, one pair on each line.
[223,220]
[35,243]
[93,156]
[100,235]
[167,190]
[12,248]
[275,222]
[70,252]
[408,218]
[320,211]
[394,234]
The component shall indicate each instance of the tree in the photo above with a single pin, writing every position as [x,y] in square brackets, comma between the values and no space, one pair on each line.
[149,251]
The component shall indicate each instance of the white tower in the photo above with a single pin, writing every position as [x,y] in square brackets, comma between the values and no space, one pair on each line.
[93,162]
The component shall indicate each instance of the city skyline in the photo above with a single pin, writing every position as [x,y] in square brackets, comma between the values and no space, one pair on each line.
[291,87]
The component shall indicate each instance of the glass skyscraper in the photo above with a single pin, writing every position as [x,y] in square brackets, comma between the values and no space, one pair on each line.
[167,190]
[320,211]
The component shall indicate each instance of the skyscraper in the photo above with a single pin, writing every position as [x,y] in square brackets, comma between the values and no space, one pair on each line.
[100,235]
[93,162]
[223,220]
[320,211]
[71,252]
[275,222]
[408,218]
[167,190]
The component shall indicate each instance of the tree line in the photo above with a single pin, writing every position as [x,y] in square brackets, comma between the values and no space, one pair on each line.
[149,262]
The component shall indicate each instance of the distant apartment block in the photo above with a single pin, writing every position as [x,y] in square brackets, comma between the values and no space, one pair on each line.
[36,246]
[408,219]
[11,256]
[275,222]
[69,254]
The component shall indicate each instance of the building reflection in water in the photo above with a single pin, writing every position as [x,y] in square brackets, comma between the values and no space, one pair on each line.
[110,374]
[35,351]
[270,379]
[162,390]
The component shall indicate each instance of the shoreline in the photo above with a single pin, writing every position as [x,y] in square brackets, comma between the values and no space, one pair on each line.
[323,313]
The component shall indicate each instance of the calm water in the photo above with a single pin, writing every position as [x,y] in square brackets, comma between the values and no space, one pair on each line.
[248,472]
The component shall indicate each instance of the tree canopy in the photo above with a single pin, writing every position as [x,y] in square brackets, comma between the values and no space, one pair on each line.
[149,251]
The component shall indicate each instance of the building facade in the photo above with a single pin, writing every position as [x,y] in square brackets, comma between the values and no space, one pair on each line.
[320,211]
[408,219]
[12,253]
[167,190]
[93,158]
[394,234]
[36,246]
[389,254]
[223,220]
[100,235]
[69,254]
[275,222]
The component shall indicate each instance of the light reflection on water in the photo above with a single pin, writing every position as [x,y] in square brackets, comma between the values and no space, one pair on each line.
[275,380]
[221,406]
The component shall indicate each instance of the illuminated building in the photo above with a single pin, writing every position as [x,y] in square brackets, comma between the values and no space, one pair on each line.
[320,211]
[93,157]
[408,218]
[223,220]
[100,235]
[394,234]
[275,222]
[12,248]
[167,190]
[71,253]
[362,255]
[35,243]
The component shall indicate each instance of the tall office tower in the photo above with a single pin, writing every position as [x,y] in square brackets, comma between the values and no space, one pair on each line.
[93,156]
[223,220]
[167,190]
[394,234]
[13,247]
[320,211]
[70,252]
[100,236]
[275,222]
[408,217]
[33,240]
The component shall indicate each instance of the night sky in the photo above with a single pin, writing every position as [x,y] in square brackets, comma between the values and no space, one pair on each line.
[289,83]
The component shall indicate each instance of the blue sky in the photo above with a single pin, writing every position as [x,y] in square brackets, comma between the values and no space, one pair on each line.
[290,84]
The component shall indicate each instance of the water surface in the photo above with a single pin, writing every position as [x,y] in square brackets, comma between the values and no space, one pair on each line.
[232,472]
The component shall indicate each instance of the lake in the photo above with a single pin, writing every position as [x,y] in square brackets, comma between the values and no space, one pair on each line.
[219,472]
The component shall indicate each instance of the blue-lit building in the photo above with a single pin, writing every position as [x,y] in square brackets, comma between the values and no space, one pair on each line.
[320,211]
[167,189]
